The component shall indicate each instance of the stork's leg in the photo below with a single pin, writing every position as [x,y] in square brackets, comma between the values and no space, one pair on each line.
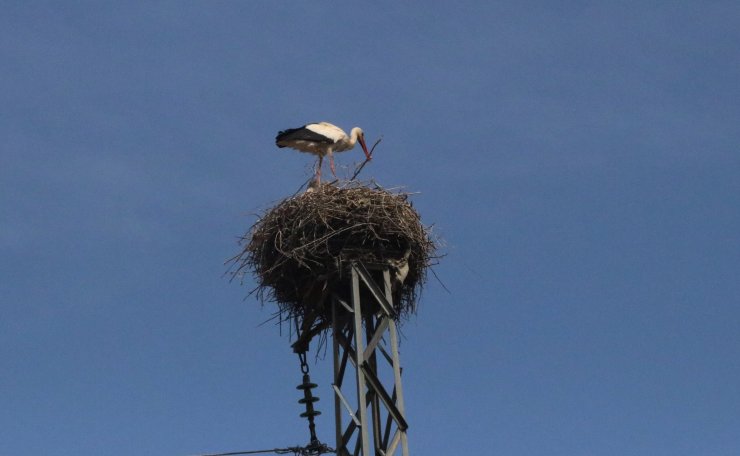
[331,164]
[318,169]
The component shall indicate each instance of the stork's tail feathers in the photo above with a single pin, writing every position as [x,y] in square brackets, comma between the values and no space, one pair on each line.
[285,135]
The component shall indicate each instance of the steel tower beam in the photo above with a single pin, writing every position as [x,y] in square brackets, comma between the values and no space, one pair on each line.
[365,339]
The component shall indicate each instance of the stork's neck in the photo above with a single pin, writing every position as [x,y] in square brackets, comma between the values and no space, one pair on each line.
[353,136]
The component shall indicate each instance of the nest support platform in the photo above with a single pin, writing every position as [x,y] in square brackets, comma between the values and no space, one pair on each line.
[320,308]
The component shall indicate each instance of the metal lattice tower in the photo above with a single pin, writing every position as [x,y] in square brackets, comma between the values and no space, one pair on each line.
[367,371]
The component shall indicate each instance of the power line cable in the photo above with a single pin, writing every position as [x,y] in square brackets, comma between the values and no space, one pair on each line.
[310,450]
[274,450]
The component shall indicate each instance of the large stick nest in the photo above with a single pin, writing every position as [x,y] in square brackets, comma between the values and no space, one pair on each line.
[298,250]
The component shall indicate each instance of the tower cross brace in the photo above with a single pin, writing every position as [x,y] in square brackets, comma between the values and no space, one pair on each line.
[365,352]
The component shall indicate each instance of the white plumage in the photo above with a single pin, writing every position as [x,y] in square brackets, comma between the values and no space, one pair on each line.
[321,139]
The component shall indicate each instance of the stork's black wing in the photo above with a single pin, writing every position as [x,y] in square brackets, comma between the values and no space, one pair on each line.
[300,134]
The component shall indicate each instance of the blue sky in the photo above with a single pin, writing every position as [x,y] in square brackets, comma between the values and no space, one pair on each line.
[580,161]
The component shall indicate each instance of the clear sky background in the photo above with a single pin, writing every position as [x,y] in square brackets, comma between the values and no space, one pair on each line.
[581,161]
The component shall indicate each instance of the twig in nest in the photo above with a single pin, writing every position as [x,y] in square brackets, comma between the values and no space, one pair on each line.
[362,165]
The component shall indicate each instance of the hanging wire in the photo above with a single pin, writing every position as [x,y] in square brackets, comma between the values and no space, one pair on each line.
[309,450]
[274,450]
[315,447]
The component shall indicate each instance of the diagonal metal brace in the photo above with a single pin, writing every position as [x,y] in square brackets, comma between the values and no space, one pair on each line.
[378,388]
[374,289]
[338,392]
[373,344]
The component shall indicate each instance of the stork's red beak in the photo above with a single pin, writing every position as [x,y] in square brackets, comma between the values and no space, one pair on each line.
[364,147]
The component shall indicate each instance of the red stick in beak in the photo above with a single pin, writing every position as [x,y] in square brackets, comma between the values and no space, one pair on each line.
[364,147]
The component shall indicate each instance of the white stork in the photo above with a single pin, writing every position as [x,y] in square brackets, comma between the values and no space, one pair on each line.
[321,139]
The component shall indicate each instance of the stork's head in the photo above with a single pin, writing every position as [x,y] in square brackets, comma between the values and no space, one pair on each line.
[360,135]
